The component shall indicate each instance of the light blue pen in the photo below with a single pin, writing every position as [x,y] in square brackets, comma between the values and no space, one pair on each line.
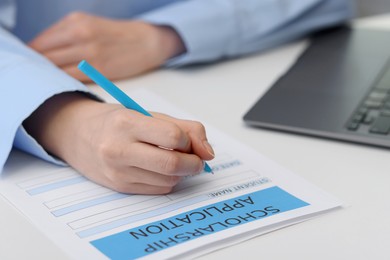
[118,94]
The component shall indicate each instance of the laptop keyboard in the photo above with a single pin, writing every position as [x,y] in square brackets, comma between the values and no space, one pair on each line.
[373,113]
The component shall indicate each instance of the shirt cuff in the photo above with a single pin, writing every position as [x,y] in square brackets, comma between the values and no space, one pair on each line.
[25,142]
[218,29]
[192,21]
[29,85]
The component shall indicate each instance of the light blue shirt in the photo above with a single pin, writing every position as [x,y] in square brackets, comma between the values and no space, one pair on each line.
[210,30]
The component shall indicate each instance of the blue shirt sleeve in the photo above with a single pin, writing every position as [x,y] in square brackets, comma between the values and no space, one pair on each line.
[27,80]
[215,29]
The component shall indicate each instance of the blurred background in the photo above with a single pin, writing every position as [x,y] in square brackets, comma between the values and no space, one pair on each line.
[373,7]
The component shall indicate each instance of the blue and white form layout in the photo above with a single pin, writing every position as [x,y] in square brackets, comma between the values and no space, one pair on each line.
[246,196]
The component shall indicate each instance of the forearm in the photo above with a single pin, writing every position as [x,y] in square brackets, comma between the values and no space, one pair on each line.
[213,29]
[28,79]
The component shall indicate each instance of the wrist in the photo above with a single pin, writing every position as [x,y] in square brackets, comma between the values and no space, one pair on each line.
[171,43]
[55,122]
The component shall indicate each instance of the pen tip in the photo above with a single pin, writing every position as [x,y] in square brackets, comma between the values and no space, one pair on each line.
[208,169]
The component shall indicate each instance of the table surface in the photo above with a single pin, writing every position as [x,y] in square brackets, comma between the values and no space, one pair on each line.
[356,174]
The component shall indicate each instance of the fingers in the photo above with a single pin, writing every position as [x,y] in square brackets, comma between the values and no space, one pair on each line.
[196,133]
[102,41]
[200,144]
[139,181]
[154,171]
[123,149]
[67,42]
[68,58]
[74,71]
[69,55]
[55,37]
[70,29]
[169,135]
[136,175]
[162,161]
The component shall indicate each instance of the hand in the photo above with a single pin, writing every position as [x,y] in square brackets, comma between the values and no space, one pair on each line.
[117,48]
[120,148]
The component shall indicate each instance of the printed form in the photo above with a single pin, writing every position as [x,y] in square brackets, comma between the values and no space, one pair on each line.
[247,195]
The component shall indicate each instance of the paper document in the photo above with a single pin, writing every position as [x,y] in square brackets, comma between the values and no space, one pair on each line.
[246,196]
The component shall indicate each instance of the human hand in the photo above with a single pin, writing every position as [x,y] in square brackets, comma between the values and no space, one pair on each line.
[120,148]
[117,48]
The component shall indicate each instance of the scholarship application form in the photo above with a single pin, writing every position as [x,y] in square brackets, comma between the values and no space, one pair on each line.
[247,195]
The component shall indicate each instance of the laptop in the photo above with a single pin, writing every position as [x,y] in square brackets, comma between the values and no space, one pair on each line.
[339,88]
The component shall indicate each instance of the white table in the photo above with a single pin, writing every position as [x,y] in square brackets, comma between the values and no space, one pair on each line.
[221,94]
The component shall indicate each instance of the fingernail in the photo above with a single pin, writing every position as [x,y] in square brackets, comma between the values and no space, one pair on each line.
[208,148]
